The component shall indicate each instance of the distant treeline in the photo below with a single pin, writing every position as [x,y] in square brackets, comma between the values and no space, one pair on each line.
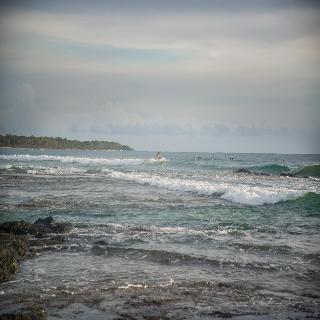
[13,141]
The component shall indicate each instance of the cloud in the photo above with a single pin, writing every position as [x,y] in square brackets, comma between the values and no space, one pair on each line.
[185,69]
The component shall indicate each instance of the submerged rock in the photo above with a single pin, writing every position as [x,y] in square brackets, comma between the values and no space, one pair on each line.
[101,242]
[23,312]
[97,250]
[287,174]
[242,170]
[246,171]
[52,226]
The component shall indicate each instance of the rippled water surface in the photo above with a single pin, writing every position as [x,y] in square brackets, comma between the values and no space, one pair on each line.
[187,237]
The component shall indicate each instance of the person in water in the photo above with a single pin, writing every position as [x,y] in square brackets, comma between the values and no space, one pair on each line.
[158,156]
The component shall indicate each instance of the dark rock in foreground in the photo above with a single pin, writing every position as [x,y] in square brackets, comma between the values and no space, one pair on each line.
[13,248]
[16,245]
[22,312]
[40,228]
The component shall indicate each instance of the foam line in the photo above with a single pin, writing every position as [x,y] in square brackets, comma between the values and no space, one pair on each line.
[242,194]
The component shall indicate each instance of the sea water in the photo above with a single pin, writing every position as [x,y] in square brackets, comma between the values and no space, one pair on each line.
[192,236]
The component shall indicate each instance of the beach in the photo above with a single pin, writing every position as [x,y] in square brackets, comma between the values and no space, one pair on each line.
[194,236]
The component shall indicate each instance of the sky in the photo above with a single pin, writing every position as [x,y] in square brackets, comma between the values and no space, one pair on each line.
[169,75]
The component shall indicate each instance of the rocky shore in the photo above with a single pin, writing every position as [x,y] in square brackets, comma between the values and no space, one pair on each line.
[20,240]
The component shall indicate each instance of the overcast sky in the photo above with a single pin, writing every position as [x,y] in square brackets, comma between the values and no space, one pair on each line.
[231,76]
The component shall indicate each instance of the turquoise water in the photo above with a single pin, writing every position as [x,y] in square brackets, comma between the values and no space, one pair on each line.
[190,223]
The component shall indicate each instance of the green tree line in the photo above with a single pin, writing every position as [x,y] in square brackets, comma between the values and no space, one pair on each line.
[14,141]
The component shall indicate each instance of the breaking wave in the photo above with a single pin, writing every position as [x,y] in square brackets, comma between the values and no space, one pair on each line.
[40,170]
[83,160]
[239,194]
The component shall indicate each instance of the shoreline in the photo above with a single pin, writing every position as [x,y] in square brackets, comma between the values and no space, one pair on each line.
[58,149]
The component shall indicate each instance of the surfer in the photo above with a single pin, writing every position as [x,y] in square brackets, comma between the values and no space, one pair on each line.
[158,156]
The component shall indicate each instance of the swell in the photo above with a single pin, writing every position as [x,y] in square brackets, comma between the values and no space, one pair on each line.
[309,171]
[310,200]
[272,168]
[242,194]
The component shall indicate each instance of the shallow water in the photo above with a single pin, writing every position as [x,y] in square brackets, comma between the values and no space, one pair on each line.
[185,238]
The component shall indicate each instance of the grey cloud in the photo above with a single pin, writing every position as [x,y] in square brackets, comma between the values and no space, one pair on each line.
[247,73]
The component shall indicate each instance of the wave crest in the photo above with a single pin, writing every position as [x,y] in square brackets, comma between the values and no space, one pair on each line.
[239,194]
[309,171]
[83,160]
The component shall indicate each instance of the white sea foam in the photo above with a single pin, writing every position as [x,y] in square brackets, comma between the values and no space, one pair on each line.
[243,194]
[130,285]
[38,170]
[83,160]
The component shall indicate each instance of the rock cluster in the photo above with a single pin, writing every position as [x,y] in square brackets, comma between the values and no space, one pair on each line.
[20,240]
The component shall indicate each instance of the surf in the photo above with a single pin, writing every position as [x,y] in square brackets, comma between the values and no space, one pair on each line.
[241,194]
[83,160]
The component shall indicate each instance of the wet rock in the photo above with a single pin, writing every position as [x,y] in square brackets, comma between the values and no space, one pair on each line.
[12,249]
[8,264]
[23,312]
[19,227]
[97,250]
[15,244]
[46,221]
[262,174]
[246,171]
[18,244]
[39,229]
[101,242]
[50,225]
[287,174]
[242,170]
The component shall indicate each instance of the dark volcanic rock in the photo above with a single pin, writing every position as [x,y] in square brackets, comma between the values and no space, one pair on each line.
[246,171]
[20,227]
[22,312]
[39,229]
[101,242]
[51,226]
[8,264]
[242,170]
[287,174]
[45,222]
[12,249]
[15,244]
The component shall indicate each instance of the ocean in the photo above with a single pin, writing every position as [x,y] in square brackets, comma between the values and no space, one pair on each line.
[195,236]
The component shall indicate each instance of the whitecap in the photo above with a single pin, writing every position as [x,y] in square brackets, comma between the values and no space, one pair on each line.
[68,159]
[242,194]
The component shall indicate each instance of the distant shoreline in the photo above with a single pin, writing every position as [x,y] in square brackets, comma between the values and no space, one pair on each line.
[61,149]
[57,143]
